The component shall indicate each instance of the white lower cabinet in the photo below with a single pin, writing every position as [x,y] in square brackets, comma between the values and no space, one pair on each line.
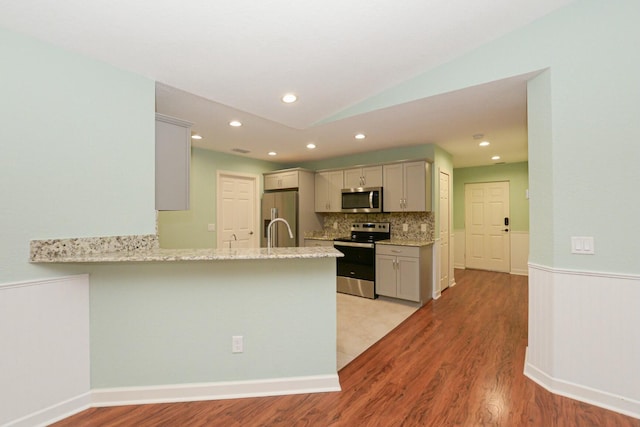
[404,272]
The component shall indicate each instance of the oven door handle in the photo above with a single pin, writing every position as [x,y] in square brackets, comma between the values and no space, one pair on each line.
[355,244]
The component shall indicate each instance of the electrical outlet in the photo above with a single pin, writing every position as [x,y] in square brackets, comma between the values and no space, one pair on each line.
[423,228]
[237,344]
[335,225]
[405,227]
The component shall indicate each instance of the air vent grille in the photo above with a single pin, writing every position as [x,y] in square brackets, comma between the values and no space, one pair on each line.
[240,150]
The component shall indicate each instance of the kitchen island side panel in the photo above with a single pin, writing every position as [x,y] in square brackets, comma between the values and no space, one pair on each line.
[172,323]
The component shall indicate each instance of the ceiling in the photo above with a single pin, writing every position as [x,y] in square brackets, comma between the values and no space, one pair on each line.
[216,61]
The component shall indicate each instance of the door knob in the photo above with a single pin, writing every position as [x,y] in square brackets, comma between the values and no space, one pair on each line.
[506,229]
[251,233]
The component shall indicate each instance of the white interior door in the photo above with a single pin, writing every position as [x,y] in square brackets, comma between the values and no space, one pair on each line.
[444,231]
[237,208]
[486,233]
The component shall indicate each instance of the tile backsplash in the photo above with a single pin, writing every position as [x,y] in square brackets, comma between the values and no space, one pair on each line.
[414,221]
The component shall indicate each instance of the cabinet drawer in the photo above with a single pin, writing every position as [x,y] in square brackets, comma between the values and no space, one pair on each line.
[408,251]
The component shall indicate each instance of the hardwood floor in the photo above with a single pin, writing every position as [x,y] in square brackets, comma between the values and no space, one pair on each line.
[456,361]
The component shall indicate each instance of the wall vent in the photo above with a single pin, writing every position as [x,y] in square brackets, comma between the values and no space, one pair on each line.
[240,150]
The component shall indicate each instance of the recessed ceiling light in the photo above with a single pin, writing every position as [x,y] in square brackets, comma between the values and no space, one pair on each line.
[196,136]
[272,153]
[289,98]
[484,144]
[235,123]
[311,146]
[495,158]
[361,136]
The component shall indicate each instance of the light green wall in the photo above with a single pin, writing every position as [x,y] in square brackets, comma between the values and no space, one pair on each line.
[77,150]
[188,229]
[172,323]
[518,176]
[584,122]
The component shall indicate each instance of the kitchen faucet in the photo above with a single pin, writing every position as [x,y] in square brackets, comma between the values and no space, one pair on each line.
[269,230]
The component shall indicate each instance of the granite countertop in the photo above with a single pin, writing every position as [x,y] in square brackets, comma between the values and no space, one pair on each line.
[321,237]
[405,242]
[145,249]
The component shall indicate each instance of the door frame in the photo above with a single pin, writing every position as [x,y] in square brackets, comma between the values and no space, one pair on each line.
[258,192]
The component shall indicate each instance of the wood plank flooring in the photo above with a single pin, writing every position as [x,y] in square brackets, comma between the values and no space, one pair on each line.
[457,361]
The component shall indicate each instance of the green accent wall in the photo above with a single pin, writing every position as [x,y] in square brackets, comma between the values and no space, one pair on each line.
[517,174]
[78,145]
[188,229]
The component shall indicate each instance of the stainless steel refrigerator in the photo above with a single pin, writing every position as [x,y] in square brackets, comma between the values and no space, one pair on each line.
[280,204]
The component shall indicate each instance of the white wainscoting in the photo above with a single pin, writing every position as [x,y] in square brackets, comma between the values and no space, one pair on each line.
[583,336]
[44,334]
[519,251]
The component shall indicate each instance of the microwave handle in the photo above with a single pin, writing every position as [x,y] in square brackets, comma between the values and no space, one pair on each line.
[371,199]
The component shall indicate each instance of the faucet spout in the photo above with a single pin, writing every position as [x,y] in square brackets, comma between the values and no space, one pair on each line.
[269,230]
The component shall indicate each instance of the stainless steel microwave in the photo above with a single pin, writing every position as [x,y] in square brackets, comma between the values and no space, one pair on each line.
[365,200]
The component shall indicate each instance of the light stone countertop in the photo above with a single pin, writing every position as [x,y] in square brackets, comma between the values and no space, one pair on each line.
[144,248]
[167,255]
[405,242]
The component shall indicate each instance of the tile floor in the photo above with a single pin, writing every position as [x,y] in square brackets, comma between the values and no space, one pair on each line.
[362,322]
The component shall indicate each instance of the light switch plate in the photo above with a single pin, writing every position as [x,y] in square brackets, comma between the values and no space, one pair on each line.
[423,228]
[211,227]
[582,245]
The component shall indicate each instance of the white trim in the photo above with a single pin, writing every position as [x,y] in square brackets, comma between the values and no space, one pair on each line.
[579,392]
[215,391]
[54,413]
[41,282]
[436,292]
[584,273]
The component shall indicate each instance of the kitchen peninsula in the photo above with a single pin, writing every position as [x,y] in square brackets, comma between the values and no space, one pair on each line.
[165,324]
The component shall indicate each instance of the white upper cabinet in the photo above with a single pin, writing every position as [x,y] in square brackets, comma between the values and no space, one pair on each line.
[173,159]
[369,176]
[329,186]
[407,187]
[281,180]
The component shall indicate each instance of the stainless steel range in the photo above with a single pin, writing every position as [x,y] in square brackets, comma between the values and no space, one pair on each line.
[357,269]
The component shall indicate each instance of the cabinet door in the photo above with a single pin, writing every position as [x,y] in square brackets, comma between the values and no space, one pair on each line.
[386,275]
[408,273]
[353,178]
[415,186]
[336,184]
[271,182]
[173,157]
[392,183]
[322,192]
[289,179]
[372,176]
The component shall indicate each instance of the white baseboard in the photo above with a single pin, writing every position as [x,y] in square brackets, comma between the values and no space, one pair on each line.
[214,391]
[599,398]
[54,413]
[179,393]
